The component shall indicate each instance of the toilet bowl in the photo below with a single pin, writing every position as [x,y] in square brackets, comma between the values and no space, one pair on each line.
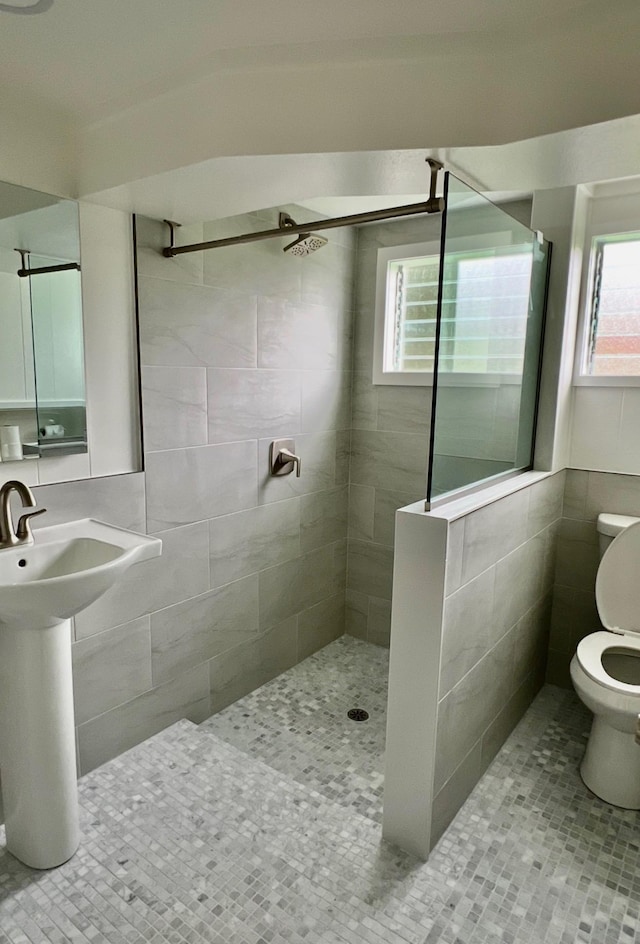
[605,670]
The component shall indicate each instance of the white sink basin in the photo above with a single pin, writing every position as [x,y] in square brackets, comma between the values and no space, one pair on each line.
[41,586]
[67,568]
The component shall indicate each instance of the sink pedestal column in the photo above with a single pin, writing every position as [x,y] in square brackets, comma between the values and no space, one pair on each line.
[37,743]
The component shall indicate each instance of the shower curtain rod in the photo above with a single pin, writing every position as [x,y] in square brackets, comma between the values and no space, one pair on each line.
[432,205]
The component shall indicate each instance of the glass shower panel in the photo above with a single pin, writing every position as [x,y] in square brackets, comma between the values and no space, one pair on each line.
[493,276]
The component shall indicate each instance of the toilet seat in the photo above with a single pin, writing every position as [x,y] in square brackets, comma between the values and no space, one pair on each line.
[618,601]
[589,655]
[618,583]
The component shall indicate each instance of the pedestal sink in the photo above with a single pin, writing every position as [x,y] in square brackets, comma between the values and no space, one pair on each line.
[42,585]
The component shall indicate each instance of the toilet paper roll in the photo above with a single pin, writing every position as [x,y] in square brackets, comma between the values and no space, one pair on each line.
[11,452]
[10,445]
[9,435]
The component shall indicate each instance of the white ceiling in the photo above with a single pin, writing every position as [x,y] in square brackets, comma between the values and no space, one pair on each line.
[342,183]
[205,108]
[89,58]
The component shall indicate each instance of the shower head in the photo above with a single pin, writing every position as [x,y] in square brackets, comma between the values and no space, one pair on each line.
[305,244]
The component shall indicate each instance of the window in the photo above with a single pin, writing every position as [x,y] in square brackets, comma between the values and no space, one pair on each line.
[484,313]
[613,348]
[411,313]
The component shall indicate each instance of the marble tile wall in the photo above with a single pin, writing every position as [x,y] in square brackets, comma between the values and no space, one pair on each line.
[389,446]
[574,612]
[497,611]
[237,347]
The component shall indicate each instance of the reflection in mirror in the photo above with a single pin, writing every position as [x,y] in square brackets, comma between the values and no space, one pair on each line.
[42,389]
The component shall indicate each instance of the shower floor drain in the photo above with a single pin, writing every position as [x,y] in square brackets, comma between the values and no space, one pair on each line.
[358,714]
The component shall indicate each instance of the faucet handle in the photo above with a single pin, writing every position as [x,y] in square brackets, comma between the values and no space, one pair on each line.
[23,531]
[285,455]
[282,458]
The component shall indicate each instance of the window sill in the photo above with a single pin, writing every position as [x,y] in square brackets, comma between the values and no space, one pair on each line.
[406,379]
[583,380]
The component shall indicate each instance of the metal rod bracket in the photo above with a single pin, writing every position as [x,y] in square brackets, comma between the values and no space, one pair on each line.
[173,226]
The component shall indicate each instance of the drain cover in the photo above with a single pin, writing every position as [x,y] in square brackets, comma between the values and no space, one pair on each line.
[358,714]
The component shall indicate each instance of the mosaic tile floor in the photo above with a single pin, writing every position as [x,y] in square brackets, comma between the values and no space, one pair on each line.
[298,724]
[190,839]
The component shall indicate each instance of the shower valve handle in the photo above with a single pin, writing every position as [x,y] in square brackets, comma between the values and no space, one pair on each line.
[282,459]
[288,456]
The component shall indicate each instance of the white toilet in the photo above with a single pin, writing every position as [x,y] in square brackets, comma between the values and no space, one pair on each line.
[606,668]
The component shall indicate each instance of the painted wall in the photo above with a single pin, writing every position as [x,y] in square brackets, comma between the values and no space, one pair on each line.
[470,623]
[605,419]
[237,348]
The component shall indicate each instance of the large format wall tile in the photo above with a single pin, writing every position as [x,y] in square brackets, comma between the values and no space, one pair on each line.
[116,499]
[379,622]
[187,485]
[389,460]
[115,731]
[364,403]
[469,708]
[319,625]
[617,494]
[467,630]
[249,541]
[518,584]
[455,791]
[111,668]
[175,407]
[531,639]
[261,267]
[387,503]
[195,325]
[361,512]
[545,502]
[325,400]
[323,517]
[404,409]
[313,332]
[289,588]
[192,632]
[248,404]
[507,518]
[356,614]
[370,568]
[253,663]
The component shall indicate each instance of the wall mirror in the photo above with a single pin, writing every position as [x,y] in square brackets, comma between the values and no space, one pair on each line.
[42,373]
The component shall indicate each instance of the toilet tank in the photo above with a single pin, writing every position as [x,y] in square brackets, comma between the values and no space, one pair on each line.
[609,526]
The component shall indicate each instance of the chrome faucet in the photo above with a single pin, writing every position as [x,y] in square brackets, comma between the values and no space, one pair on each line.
[22,534]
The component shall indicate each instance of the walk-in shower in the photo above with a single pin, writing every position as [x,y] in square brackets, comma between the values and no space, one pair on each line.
[467,317]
